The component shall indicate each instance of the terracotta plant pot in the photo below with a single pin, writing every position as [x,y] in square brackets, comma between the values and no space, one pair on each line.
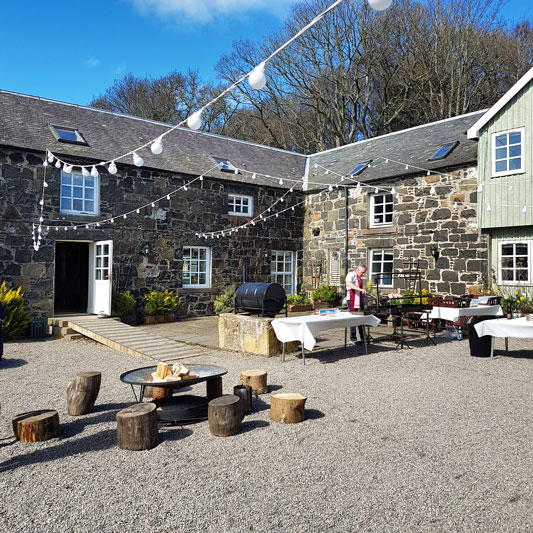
[149,319]
[298,308]
[160,319]
[320,305]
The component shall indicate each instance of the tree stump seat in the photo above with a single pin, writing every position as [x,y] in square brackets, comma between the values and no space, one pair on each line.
[82,393]
[137,427]
[225,414]
[287,408]
[36,426]
[257,379]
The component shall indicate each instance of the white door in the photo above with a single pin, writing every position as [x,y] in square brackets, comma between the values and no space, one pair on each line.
[102,276]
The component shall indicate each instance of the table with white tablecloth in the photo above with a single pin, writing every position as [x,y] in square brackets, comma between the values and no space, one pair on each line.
[518,328]
[304,328]
[453,314]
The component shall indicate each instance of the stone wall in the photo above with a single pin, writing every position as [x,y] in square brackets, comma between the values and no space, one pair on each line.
[416,228]
[147,246]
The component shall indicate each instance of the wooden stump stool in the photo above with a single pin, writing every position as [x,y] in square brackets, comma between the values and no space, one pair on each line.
[287,408]
[225,415]
[257,379]
[137,427]
[244,392]
[36,426]
[82,393]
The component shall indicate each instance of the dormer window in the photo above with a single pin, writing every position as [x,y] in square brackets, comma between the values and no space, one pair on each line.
[67,135]
[444,151]
[226,166]
[359,168]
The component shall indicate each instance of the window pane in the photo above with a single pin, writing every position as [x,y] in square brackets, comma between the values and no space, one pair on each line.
[106,249]
[515,138]
[515,151]
[77,192]
[66,203]
[521,249]
[98,249]
[515,164]
[89,194]
[66,190]
[507,249]
[89,182]
[66,179]
[501,166]
[98,274]
[77,179]
[507,275]
[501,153]
[98,262]
[501,140]
[521,275]
[77,205]
[89,206]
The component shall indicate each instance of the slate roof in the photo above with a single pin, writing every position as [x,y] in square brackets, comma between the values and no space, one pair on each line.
[413,146]
[24,123]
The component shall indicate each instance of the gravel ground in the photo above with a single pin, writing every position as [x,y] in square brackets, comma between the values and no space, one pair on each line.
[428,439]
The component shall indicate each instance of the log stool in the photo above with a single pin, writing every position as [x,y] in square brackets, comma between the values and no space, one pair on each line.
[257,379]
[244,392]
[82,393]
[287,408]
[36,426]
[137,427]
[225,415]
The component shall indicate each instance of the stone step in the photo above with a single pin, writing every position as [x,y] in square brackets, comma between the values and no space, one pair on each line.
[74,336]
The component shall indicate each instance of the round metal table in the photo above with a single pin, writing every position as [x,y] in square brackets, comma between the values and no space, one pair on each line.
[182,407]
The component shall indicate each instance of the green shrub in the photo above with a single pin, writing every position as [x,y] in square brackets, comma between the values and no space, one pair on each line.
[15,324]
[122,304]
[158,303]
[225,300]
[298,299]
[327,294]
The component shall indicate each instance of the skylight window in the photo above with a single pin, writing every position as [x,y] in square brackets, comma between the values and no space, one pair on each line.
[359,168]
[444,151]
[67,135]
[225,165]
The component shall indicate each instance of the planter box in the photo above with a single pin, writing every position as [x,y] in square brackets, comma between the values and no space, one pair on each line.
[161,319]
[131,320]
[321,305]
[297,308]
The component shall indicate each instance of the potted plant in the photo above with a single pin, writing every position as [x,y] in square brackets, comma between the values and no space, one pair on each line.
[123,305]
[225,301]
[325,296]
[299,302]
[159,306]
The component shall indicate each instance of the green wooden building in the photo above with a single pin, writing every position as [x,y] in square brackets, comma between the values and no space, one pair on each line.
[505,186]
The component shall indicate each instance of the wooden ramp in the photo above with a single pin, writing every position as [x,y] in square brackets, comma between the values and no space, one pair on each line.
[127,339]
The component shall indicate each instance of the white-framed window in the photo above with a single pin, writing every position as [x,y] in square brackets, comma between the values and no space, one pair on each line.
[196,267]
[515,263]
[381,261]
[240,205]
[508,152]
[79,194]
[282,270]
[381,206]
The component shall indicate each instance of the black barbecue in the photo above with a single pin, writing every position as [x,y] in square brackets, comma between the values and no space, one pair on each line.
[265,299]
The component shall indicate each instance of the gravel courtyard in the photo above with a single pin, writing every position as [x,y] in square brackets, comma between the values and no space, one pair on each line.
[428,439]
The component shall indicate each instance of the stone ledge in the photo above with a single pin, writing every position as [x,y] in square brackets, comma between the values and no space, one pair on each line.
[376,231]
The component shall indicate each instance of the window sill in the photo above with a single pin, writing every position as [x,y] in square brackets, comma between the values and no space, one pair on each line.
[231,213]
[381,229]
[504,174]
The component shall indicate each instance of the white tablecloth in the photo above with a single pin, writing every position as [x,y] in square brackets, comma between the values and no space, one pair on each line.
[519,328]
[453,313]
[304,328]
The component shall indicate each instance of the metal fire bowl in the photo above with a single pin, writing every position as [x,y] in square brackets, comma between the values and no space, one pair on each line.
[183,408]
[142,376]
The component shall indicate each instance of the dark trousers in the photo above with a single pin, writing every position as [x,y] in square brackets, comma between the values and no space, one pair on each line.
[353,332]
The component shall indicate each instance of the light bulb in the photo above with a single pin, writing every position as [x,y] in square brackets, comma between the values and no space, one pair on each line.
[168,196]
[98,224]
[428,173]
[393,191]
[201,178]
[327,172]
[280,181]
[153,205]
[330,188]
[488,208]
[112,221]
[257,78]
[65,168]
[157,146]
[510,187]
[94,172]
[75,228]
[195,121]
[406,167]
[45,184]
[397,196]
[432,190]
[455,206]
[84,172]
[342,178]
[138,161]
[254,176]
[421,201]
[41,201]
[185,188]
[137,211]
[86,226]
[45,163]
[50,158]
[112,168]
[386,160]
[58,164]
[376,190]
[41,219]
[524,209]
[379,5]
[480,188]
[57,229]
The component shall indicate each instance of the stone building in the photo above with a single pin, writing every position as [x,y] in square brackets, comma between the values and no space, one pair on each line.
[406,196]
[385,212]
[213,184]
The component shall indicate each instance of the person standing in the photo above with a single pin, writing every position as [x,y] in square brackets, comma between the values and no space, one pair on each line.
[356,298]
[2,316]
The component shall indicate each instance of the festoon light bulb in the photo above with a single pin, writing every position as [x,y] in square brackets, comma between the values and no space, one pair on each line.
[157,146]
[379,5]
[94,172]
[257,78]
[112,168]
[84,172]
[195,121]
[138,161]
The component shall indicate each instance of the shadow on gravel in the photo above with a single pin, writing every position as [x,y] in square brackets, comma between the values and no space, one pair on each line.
[259,405]
[173,433]
[63,448]
[12,363]
[313,414]
[514,354]
[273,388]
[253,424]
[108,413]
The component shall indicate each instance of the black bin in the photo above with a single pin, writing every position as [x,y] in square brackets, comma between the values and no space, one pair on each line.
[479,346]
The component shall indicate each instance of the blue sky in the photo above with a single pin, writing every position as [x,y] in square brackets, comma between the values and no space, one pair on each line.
[72,51]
